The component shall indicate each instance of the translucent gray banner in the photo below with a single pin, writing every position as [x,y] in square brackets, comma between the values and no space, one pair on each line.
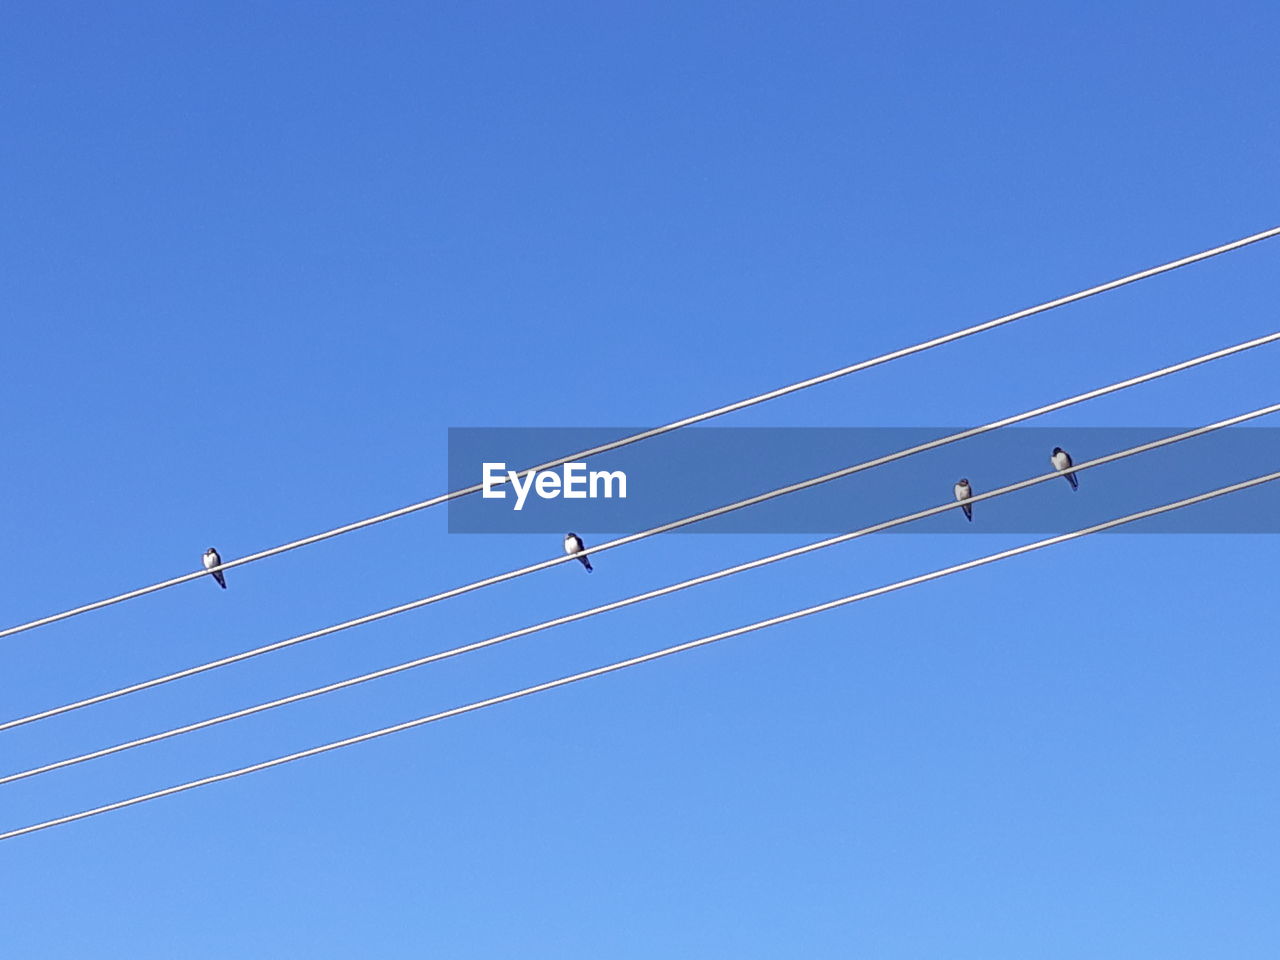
[694,470]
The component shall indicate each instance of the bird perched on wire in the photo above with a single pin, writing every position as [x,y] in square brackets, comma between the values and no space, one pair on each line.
[963,493]
[1061,460]
[573,547]
[211,560]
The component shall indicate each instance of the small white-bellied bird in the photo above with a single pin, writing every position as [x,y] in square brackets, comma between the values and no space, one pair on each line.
[1061,460]
[963,493]
[573,547]
[213,560]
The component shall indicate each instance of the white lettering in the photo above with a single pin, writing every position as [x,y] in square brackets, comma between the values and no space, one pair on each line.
[521,491]
[575,481]
[609,476]
[492,477]
[548,485]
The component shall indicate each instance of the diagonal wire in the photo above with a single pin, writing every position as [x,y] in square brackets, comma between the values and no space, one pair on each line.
[644,658]
[666,428]
[629,601]
[652,531]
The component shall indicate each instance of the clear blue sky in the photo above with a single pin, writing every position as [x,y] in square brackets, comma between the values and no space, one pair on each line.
[258,258]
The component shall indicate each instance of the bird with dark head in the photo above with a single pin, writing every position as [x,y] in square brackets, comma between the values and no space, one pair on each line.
[964,492]
[1061,460]
[211,560]
[573,547]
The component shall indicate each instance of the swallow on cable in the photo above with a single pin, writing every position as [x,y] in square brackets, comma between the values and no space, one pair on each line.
[573,547]
[211,560]
[1061,460]
[963,493]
